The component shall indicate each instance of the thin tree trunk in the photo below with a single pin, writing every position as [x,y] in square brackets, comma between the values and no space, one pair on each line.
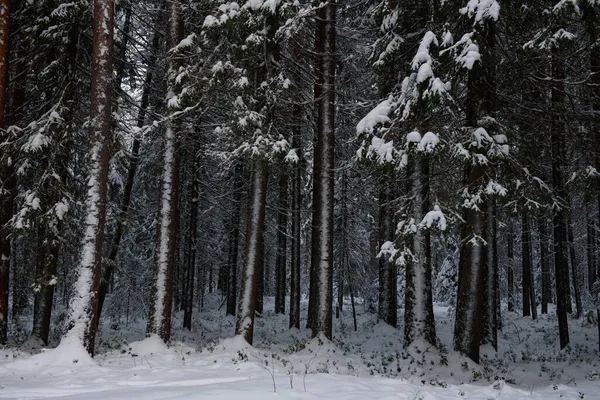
[545,265]
[296,224]
[254,252]
[526,262]
[234,234]
[591,240]
[561,261]
[6,173]
[159,318]
[321,268]
[84,302]
[383,184]
[281,260]
[193,236]
[510,267]
[574,268]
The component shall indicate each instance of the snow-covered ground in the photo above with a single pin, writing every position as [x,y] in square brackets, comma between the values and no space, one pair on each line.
[287,364]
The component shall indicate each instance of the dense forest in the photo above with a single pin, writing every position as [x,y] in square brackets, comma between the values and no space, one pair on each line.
[392,155]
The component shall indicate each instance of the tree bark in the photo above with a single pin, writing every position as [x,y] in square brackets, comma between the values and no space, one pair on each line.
[321,268]
[545,265]
[281,260]
[528,302]
[193,241]
[473,262]
[6,174]
[234,235]
[159,318]
[510,266]
[574,268]
[254,251]
[419,321]
[296,225]
[84,303]
[561,261]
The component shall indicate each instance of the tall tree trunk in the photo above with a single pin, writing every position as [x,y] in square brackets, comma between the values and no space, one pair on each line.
[510,268]
[591,241]
[490,310]
[342,256]
[234,235]
[384,182]
[159,318]
[574,267]
[121,221]
[321,267]
[557,134]
[84,302]
[281,260]
[473,263]
[254,251]
[419,322]
[193,236]
[296,225]
[6,173]
[528,302]
[545,265]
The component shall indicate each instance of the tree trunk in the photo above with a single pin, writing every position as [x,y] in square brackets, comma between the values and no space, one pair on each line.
[574,267]
[510,267]
[234,235]
[296,225]
[591,267]
[193,236]
[490,310]
[6,173]
[159,318]
[281,260]
[383,233]
[528,302]
[473,263]
[545,266]
[419,322]
[254,251]
[561,261]
[321,268]
[84,302]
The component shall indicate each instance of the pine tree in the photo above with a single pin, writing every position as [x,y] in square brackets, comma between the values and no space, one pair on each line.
[320,312]
[84,304]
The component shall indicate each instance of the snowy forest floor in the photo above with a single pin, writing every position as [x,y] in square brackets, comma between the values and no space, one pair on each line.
[368,364]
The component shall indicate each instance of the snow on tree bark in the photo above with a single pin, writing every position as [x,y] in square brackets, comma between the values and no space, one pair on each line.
[84,302]
[254,251]
[321,268]
[159,318]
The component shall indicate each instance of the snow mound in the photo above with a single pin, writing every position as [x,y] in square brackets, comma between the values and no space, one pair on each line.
[68,355]
[234,344]
[151,345]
